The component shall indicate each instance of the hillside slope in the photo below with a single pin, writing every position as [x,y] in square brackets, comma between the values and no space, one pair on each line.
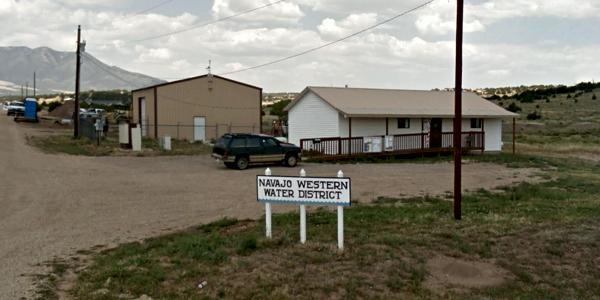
[56,72]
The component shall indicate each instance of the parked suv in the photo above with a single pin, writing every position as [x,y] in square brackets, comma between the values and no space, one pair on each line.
[240,150]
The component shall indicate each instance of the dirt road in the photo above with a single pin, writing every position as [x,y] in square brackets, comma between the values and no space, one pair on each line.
[54,205]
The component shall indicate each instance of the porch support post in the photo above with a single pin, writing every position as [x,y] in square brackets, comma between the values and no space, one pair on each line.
[350,136]
[387,126]
[514,134]
[482,135]
[422,137]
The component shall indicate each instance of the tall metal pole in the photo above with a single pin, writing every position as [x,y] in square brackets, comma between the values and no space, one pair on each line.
[34,93]
[78,65]
[27,89]
[457,127]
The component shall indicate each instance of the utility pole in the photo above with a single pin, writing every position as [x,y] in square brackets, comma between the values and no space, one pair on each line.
[22,92]
[27,89]
[34,93]
[457,127]
[77,71]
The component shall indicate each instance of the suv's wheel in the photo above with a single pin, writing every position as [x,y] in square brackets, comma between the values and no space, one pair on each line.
[241,163]
[291,160]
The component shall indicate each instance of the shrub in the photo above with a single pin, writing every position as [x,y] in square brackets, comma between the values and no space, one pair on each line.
[569,96]
[513,107]
[53,105]
[534,115]
[594,97]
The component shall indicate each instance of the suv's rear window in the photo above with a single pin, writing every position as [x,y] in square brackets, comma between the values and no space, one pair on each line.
[223,142]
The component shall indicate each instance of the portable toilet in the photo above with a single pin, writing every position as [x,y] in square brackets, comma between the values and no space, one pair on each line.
[30,109]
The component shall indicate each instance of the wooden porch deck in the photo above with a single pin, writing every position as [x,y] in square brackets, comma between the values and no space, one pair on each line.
[402,144]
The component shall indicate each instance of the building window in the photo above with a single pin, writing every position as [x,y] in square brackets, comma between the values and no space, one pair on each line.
[476,123]
[403,123]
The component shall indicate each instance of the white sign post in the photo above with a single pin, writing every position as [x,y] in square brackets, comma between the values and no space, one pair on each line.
[302,191]
[302,216]
[268,211]
[340,221]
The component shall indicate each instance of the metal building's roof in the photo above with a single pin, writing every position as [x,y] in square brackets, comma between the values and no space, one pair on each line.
[363,102]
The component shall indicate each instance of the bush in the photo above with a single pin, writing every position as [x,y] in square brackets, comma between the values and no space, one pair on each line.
[53,105]
[594,97]
[534,115]
[513,107]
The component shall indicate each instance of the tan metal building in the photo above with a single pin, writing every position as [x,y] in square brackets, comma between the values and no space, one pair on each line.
[198,108]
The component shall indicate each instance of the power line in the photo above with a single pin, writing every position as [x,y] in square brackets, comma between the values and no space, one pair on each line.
[91,59]
[153,7]
[204,24]
[333,42]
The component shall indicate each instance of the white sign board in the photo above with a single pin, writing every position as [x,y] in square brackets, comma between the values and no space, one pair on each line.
[320,191]
[372,144]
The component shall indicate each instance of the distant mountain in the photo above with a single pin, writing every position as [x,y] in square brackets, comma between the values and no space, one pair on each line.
[55,72]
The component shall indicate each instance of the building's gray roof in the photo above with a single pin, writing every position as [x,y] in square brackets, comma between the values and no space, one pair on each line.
[362,102]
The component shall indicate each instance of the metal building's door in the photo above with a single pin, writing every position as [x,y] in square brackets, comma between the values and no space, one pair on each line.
[199,129]
[143,117]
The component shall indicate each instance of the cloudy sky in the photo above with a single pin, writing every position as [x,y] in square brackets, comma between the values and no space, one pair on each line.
[507,42]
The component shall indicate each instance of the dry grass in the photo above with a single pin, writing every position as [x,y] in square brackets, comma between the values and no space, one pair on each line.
[109,146]
[544,236]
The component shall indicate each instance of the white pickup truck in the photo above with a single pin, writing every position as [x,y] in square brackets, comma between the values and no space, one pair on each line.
[15,109]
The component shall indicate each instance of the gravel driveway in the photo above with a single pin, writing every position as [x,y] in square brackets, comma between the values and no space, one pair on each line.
[54,205]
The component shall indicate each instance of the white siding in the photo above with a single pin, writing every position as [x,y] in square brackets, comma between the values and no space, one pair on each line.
[415,126]
[493,134]
[368,126]
[343,125]
[312,117]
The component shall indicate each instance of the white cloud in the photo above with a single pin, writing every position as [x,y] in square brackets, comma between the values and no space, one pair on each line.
[332,29]
[440,16]
[280,12]
[413,52]
[156,55]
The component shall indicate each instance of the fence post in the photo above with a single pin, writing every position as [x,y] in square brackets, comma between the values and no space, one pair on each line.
[340,219]
[268,211]
[302,216]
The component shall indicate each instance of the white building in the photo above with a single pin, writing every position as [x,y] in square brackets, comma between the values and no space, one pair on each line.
[421,119]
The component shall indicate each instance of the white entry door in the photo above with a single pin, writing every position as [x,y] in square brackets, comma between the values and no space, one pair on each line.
[199,129]
[143,117]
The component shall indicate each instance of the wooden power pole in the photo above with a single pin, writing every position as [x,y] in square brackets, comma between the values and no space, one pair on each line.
[77,72]
[457,127]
